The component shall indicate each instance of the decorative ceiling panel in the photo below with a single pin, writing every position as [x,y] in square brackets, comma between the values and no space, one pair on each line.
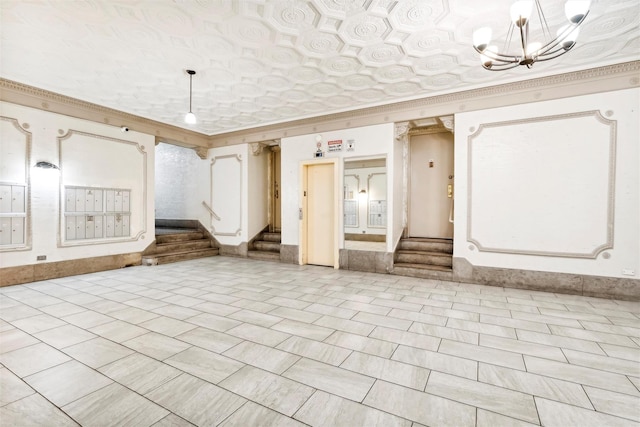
[261,62]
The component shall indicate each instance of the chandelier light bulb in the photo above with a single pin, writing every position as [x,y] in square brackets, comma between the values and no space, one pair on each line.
[482,38]
[520,12]
[575,10]
[568,34]
[486,60]
[533,48]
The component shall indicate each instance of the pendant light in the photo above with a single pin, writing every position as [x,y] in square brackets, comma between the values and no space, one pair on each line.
[190,118]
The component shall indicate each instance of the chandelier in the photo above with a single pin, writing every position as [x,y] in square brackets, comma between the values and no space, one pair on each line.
[530,51]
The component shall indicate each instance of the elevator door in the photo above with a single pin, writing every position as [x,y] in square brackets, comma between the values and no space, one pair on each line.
[431,186]
[320,214]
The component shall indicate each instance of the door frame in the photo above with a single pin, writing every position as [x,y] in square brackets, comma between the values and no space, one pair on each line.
[272,212]
[337,208]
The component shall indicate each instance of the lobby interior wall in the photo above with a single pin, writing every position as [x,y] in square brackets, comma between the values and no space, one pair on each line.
[552,186]
[369,141]
[179,177]
[89,155]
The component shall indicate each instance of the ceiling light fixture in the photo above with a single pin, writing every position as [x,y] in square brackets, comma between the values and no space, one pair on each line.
[531,51]
[190,118]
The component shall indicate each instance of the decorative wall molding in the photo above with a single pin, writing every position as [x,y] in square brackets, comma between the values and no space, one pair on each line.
[257,148]
[401,131]
[140,234]
[447,122]
[27,183]
[609,226]
[202,152]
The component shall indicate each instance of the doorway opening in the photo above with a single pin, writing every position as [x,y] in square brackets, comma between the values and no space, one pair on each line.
[431,185]
[275,214]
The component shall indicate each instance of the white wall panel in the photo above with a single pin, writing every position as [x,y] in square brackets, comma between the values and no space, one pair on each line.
[551,186]
[547,181]
[14,146]
[227,194]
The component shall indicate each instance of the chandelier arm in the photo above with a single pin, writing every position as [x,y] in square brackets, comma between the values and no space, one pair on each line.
[558,53]
[503,67]
[552,47]
[556,41]
[497,56]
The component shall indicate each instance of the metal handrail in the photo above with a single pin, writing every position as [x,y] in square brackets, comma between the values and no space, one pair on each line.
[451,212]
[207,207]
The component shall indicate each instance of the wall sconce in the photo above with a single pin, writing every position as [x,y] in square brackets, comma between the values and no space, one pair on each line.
[363,191]
[46,165]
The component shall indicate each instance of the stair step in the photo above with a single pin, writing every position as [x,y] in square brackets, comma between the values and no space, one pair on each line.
[424,257]
[262,245]
[182,246]
[423,271]
[178,256]
[264,255]
[179,237]
[177,223]
[429,245]
[272,237]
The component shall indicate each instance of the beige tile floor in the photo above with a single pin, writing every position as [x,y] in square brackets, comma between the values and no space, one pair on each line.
[236,342]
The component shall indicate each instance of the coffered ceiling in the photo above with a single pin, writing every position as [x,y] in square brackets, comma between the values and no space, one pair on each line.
[261,62]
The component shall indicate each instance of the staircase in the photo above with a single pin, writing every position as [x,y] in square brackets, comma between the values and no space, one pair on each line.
[424,258]
[178,241]
[265,247]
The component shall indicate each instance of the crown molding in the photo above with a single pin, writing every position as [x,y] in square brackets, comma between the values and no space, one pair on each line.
[29,96]
[600,79]
[583,82]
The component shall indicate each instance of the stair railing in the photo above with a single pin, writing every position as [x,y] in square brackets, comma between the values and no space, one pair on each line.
[211,212]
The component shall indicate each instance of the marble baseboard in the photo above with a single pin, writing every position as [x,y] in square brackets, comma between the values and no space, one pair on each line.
[289,254]
[234,250]
[565,283]
[53,270]
[366,237]
[369,261]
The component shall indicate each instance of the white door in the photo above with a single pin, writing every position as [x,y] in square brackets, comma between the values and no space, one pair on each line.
[431,185]
[320,211]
